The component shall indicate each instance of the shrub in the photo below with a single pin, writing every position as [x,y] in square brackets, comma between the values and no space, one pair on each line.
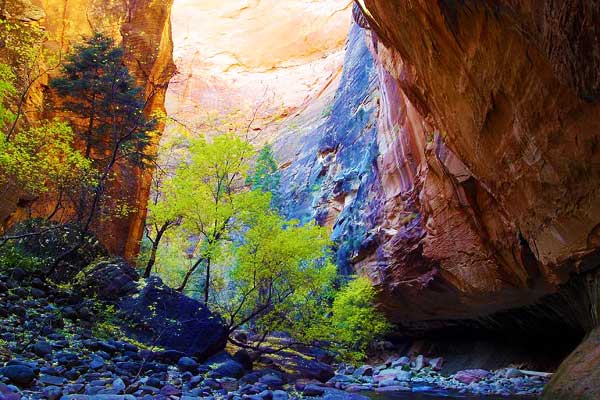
[354,321]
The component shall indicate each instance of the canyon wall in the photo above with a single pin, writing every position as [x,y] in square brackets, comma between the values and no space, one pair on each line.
[457,164]
[328,152]
[463,177]
[253,62]
[490,114]
[144,29]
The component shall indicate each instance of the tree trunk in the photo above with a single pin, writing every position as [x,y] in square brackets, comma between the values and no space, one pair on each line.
[155,244]
[207,283]
[188,275]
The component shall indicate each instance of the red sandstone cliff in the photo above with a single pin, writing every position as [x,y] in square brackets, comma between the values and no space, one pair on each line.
[489,132]
[490,118]
[144,28]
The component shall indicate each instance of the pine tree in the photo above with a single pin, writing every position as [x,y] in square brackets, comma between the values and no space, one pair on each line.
[98,90]
[107,110]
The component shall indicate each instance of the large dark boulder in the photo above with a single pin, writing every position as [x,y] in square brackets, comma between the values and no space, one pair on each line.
[108,279]
[229,369]
[164,317]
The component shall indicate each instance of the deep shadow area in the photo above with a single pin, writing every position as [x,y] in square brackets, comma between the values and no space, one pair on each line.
[536,337]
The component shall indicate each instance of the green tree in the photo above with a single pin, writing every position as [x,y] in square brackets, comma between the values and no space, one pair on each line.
[36,159]
[7,89]
[354,321]
[162,216]
[22,49]
[281,276]
[106,109]
[40,159]
[265,175]
[206,193]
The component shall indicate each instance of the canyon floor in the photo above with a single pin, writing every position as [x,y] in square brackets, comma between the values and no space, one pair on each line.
[60,343]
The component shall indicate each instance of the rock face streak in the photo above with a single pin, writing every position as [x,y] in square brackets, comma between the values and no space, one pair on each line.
[144,28]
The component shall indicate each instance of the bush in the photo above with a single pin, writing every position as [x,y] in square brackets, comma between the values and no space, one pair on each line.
[354,321]
[12,256]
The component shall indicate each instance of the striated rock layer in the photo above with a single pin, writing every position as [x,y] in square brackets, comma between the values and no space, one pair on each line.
[488,137]
[143,26]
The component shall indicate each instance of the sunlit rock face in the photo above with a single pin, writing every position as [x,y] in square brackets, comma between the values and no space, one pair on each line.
[271,56]
[143,27]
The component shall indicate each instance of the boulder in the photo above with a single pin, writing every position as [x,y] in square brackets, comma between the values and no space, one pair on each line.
[19,374]
[108,279]
[578,377]
[166,318]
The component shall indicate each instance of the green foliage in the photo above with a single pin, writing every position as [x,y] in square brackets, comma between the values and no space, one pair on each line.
[354,321]
[265,175]
[12,256]
[23,41]
[280,271]
[41,158]
[33,159]
[7,89]
[23,50]
[106,110]
[206,194]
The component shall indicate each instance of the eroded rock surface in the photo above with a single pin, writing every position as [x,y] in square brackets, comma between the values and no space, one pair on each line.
[489,124]
[578,376]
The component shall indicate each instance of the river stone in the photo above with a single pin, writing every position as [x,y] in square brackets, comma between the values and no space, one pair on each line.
[42,348]
[230,369]
[118,385]
[402,361]
[280,395]
[273,381]
[187,364]
[364,370]
[436,363]
[468,376]
[313,390]
[19,374]
[419,362]
[404,376]
[52,380]
[52,392]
